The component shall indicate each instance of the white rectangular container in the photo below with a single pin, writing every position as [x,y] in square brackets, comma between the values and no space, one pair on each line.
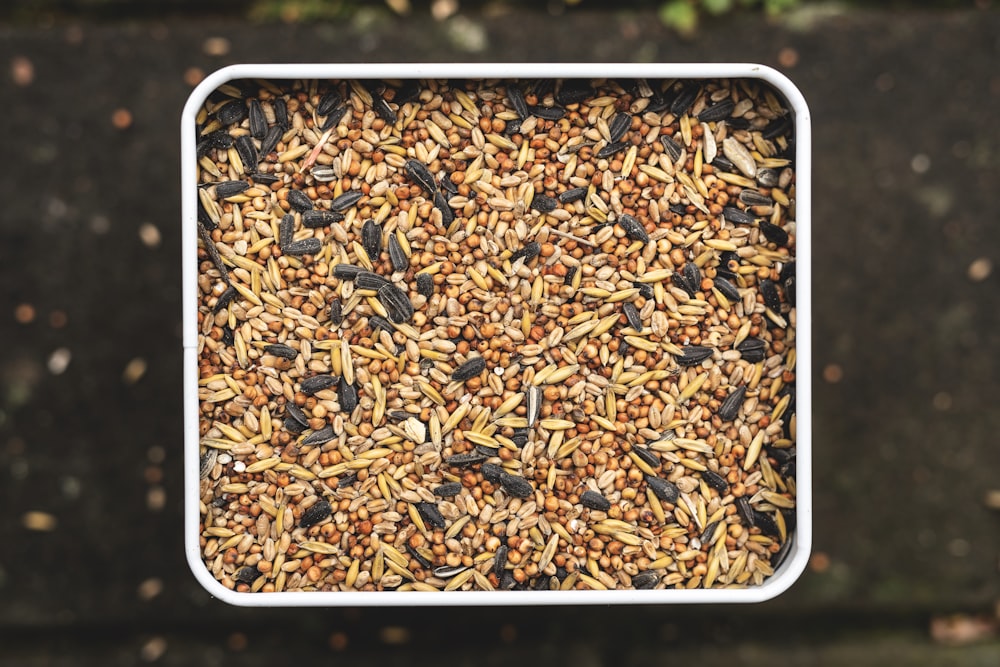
[794,563]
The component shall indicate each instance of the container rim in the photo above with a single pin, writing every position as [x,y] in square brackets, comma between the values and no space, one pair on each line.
[796,561]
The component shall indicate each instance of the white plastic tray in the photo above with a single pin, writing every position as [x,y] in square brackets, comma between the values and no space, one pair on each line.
[796,561]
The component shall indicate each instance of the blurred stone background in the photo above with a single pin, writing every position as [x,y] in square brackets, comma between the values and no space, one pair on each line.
[906,337]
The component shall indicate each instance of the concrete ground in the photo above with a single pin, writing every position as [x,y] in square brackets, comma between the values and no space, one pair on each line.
[906,346]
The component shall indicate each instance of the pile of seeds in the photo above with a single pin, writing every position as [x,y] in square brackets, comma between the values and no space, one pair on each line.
[496,335]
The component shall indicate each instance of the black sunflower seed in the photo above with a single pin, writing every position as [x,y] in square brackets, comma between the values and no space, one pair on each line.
[512,127]
[595,501]
[573,91]
[425,285]
[299,201]
[258,124]
[317,383]
[766,523]
[619,125]
[346,200]
[790,289]
[740,123]
[516,99]
[730,407]
[248,574]
[685,98]
[264,179]
[303,247]
[470,369]
[672,148]
[737,216]
[371,239]
[230,188]
[295,412]
[611,149]
[715,481]
[383,110]
[248,154]
[632,315]
[645,580]
[633,228]
[320,218]
[492,472]
[648,457]
[787,271]
[709,532]
[520,437]
[334,117]
[694,355]
[717,112]
[680,280]
[464,460]
[569,196]
[543,203]
[280,113]
[516,487]
[320,437]
[487,451]
[768,177]
[441,204]
[286,231]
[346,271]
[316,513]
[769,291]
[777,127]
[500,560]
[232,112]
[294,427]
[774,233]
[693,276]
[722,163]
[431,514]
[281,350]
[726,288]
[347,480]
[447,186]
[267,144]
[418,172]
[754,198]
[752,350]
[547,113]
[746,512]
[528,252]
[663,489]
[347,396]
[397,257]
[448,490]
[328,102]
[219,139]
[379,323]
[423,556]
[369,280]
[779,558]
[224,299]
[396,303]
[645,290]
